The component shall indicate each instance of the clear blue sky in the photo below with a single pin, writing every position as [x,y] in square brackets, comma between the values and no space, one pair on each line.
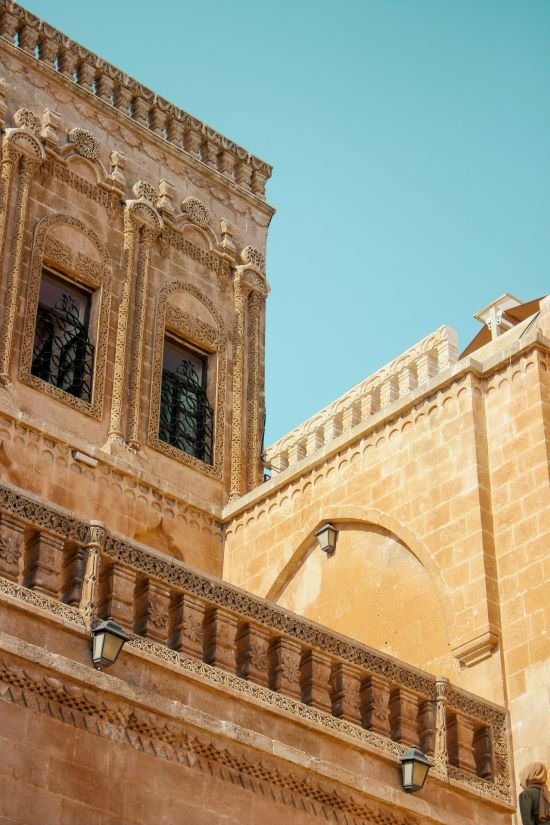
[411,146]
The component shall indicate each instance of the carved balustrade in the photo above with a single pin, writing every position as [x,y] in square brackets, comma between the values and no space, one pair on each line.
[405,375]
[35,37]
[170,607]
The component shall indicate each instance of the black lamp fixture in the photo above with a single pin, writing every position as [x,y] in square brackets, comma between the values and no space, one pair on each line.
[414,770]
[107,641]
[326,537]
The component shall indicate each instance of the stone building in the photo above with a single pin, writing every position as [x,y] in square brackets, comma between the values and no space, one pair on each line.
[263,679]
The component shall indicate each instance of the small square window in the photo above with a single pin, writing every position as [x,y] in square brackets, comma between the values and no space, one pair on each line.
[186,417]
[62,353]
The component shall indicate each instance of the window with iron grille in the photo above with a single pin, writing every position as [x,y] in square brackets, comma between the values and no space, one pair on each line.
[186,417]
[62,353]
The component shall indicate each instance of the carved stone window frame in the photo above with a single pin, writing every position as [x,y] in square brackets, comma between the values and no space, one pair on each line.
[51,254]
[212,340]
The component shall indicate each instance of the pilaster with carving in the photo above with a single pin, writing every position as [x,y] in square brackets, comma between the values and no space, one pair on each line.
[441,757]
[94,546]
[22,152]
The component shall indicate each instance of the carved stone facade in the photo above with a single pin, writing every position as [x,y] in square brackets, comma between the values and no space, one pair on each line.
[297,695]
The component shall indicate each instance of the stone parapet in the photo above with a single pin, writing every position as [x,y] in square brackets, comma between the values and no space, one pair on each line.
[264,652]
[402,377]
[133,100]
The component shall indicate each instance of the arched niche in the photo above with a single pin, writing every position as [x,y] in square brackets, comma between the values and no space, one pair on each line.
[373,589]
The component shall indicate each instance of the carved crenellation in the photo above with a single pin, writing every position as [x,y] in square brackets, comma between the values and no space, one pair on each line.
[173,608]
[77,65]
[405,374]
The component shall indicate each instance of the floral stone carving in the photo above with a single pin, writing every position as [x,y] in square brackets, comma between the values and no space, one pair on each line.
[196,211]
[84,143]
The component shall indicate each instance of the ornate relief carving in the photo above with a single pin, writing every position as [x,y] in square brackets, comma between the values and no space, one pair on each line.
[84,143]
[196,333]
[212,261]
[25,119]
[88,603]
[195,329]
[197,211]
[100,277]
[251,255]
[256,309]
[92,191]
[142,189]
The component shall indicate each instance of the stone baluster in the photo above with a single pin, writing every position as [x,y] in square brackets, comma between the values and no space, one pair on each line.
[404,716]
[296,452]
[253,653]
[192,141]
[447,350]
[332,428]
[72,575]
[375,692]
[460,742]
[407,379]
[351,416]
[389,391]
[86,74]
[285,655]
[426,367]
[188,626]
[48,50]
[279,462]
[9,25]
[316,672]
[123,99]
[426,726]
[157,120]
[346,695]
[226,163]
[11,546]
[43,563]
[105,88]
[28,39]
[259,179]
[152,602]
[117,587]
[483,751]
[140,110]
[314,441]
[209,152]
[174,129]
[68,60]
[243,174]
[220,631]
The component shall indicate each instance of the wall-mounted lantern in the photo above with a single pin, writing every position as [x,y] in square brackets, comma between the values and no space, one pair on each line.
[326,537]
[414,770]
[107,641]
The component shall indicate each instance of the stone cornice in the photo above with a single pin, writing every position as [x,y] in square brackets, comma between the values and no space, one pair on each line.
[88,74]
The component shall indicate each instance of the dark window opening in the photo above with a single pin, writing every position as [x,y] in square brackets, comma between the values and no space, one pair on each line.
[186,417]
[62,354]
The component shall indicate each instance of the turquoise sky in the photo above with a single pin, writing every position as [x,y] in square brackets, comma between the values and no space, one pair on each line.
[411,146]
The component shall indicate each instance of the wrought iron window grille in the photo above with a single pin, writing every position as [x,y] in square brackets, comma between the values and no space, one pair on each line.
[62,352]
[186,417]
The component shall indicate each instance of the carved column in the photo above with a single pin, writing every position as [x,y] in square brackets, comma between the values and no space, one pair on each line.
[240,293]
[441,758]
[28,167]
[10,163]
[188,627]
[404,716]
[285,655]
[220,631]
[131,233]
[94,546]
[316,667]
[252,654]
[376,694]
[152,610]
[43,563]
[346,697]
[255,391]
[11,545]
[138,334]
